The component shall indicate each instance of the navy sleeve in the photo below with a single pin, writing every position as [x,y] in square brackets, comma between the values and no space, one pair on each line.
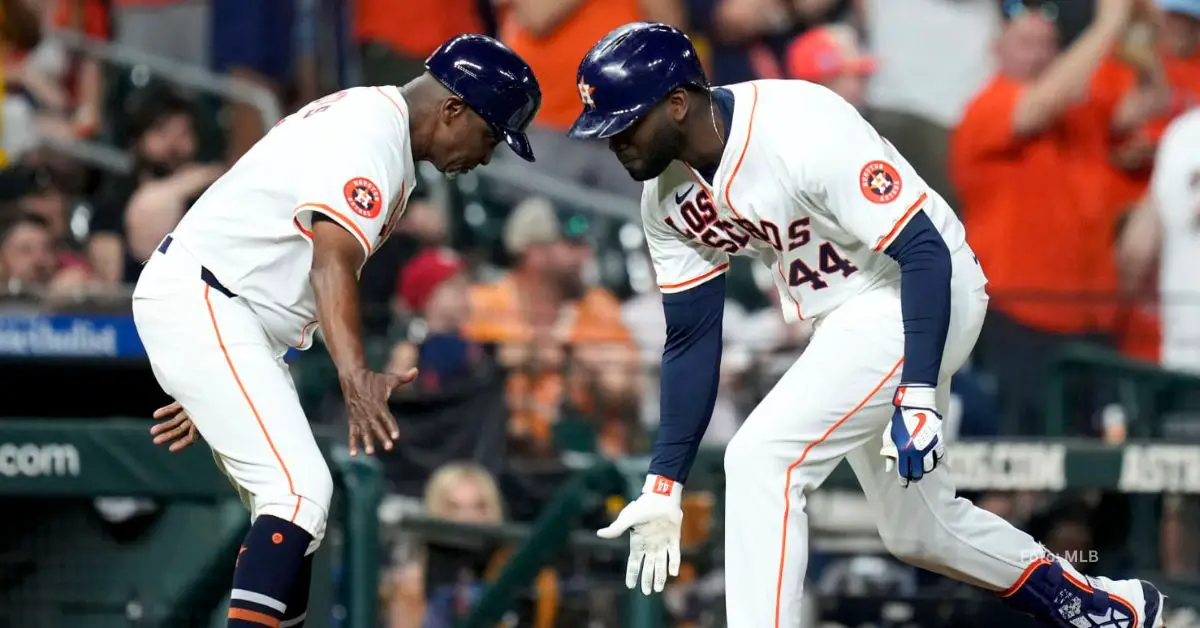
[925,271]
[690,371]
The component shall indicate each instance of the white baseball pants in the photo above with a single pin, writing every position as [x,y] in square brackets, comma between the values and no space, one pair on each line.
[211,354]
[835,403]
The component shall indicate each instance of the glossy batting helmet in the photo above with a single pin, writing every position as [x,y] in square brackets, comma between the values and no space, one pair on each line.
[494,82]
[628,72]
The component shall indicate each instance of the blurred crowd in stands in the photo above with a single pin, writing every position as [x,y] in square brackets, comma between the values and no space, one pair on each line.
[536,325]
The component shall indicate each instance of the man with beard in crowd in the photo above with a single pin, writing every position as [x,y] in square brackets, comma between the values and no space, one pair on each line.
[135,211]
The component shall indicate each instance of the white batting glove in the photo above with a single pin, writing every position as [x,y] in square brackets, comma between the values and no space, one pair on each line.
[913,441]
[656,519]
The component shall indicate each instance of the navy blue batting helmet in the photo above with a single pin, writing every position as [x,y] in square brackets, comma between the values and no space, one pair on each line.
[628,72]
[493,81]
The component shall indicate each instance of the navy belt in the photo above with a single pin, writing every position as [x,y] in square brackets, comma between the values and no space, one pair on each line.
[206,275]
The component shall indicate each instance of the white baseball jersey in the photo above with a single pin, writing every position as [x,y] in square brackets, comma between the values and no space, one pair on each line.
[346,156]
[1175,189]
[806,186]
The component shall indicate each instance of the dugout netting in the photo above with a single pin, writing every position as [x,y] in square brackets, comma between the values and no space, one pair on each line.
[99,528]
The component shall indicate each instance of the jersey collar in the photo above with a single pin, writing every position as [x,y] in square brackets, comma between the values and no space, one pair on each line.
[738,129]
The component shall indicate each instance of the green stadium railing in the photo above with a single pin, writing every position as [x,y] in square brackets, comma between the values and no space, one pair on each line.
[1140,467]
[548,534]
[87,458]
[64,459]
[1147,393]
[1140,386]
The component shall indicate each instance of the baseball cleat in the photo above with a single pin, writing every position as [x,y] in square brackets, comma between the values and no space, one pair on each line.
[1145,598]
[1059,596]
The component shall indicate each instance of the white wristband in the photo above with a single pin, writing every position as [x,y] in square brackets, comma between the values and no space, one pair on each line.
[916,396]
[660,485]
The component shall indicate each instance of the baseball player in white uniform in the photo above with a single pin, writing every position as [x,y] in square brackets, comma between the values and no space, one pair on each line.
[272,251]
[1163,235]
[789,173]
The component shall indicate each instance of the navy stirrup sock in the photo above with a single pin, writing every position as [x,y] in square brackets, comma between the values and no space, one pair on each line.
[268,567]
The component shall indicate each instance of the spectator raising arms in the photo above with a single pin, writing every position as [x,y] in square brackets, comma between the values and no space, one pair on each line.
[1024,162]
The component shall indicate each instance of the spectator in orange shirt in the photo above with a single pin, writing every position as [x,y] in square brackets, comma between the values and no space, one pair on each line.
[396,36]
[565,344]
[1023,162]
[553,36]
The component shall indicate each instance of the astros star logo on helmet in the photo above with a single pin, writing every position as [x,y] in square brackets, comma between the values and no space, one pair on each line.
[585,93]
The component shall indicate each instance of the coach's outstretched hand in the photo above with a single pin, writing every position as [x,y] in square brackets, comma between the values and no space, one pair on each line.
[656,520]
[367,410]
[916,445]
[175,428]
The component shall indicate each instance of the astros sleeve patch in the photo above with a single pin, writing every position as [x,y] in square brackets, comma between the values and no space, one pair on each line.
[363,197]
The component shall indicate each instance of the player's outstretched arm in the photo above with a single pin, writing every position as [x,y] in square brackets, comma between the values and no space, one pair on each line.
[337,256]
[690,372]
[691,366]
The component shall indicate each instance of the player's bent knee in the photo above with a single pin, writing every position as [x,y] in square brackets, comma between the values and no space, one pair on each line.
[906,543]
[307,507]
[316,493]
[317,487]
[744,459]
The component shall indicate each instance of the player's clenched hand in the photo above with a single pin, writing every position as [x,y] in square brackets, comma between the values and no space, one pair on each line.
[655,520]
[175,427]
[913,442]
[367,410]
